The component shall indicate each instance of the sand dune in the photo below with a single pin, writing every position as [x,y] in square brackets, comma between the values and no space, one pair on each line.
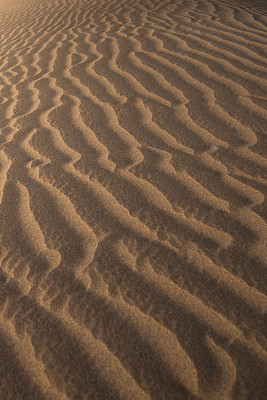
[133,187]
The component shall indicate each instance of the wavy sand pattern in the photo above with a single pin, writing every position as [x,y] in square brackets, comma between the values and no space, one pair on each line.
[133,191]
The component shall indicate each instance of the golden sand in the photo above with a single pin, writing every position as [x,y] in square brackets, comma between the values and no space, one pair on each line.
[133,187]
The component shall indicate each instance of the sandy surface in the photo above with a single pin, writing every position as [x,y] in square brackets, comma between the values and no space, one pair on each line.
[133,187]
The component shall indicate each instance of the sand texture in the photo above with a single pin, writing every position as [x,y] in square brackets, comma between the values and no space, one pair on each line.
[133,200]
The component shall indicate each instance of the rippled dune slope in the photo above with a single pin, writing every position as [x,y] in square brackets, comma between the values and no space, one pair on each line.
[133,187]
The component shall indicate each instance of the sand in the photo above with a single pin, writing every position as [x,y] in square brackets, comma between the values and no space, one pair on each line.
[133,199]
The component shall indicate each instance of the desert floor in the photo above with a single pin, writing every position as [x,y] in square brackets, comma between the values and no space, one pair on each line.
[133,199]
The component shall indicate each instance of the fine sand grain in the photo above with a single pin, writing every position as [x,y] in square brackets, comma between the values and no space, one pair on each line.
[133,199]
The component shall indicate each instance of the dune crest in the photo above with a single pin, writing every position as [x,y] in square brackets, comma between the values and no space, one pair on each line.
[133,187]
